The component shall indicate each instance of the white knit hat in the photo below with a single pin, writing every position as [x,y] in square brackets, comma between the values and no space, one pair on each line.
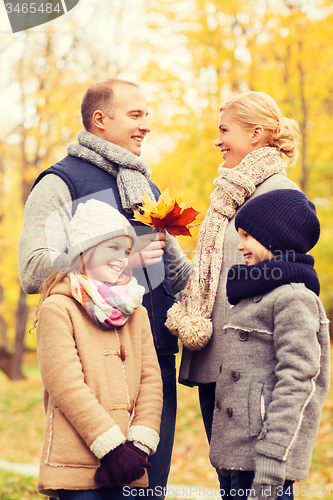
[94,222]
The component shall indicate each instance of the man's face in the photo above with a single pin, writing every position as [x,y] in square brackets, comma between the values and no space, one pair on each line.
[129,123]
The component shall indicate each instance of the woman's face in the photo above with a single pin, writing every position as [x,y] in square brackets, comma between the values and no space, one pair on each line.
[109,259]
[234,141]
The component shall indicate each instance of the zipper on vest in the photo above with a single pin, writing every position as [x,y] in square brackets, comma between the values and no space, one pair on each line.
[152,304]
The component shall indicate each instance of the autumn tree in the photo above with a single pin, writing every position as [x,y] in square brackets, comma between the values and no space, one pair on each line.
[46,124]
[49,70]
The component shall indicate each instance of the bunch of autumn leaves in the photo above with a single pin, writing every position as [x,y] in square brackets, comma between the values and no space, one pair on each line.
[167,214]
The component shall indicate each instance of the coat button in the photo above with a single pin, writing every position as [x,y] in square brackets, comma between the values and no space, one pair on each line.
[217,406]
[122,353]
[235,375]
[243,336]
[257,298]
[229,411]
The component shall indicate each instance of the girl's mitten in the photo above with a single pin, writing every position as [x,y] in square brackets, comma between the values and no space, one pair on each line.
[143,454]
[103,475]
[125,465]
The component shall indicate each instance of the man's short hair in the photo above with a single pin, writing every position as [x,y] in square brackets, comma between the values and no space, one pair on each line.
[100,96]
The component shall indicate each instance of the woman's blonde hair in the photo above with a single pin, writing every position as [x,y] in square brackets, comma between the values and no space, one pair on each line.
[259,109]
[78,265]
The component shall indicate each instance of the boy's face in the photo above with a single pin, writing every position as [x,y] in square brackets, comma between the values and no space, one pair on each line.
[253,251]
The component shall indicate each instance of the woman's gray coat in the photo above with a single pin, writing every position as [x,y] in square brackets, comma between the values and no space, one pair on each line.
[203,366]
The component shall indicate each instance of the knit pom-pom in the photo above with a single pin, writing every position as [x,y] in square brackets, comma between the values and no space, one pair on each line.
[194,331]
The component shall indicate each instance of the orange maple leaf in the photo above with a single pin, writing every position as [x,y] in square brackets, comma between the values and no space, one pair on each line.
[167,214]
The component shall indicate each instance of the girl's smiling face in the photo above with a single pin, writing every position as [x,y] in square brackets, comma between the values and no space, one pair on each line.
[253,251]
[109,259]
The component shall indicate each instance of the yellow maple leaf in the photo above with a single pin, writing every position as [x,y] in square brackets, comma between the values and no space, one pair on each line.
[149,205]
[144,214]
[164,205]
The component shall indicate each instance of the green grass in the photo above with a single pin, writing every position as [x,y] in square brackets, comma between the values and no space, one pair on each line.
[21,420]
[18,487]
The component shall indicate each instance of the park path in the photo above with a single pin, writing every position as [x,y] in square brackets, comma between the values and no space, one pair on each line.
[26,469]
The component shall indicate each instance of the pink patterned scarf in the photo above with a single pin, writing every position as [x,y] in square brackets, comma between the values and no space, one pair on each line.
[108,306]
[190,319]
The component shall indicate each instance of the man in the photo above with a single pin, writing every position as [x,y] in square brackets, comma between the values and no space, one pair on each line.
[104,164]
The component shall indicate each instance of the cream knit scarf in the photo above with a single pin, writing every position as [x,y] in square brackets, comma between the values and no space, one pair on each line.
[190,319]
[131,172]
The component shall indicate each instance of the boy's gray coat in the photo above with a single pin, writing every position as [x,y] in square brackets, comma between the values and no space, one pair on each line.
[274,378]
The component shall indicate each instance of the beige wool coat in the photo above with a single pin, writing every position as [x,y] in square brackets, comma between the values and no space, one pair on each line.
[93,400]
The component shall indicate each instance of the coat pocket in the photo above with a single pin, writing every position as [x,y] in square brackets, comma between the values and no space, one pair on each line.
[260,396]
[256,408]
[66,448]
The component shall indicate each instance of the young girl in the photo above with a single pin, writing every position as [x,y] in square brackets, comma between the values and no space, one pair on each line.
[101,378]
[274,360]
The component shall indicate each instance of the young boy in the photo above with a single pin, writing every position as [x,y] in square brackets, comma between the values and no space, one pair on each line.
[274,374]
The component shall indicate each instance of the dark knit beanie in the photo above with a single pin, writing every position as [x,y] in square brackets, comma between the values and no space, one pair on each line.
[281,220]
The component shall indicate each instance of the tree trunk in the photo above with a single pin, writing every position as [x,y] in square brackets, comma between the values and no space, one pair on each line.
[305,170]
[3,325]
[21,321]
[6,362]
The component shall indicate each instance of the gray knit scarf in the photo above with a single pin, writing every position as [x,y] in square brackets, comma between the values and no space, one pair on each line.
[132,173]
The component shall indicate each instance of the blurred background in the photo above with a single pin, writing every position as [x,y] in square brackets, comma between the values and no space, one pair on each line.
[188,56]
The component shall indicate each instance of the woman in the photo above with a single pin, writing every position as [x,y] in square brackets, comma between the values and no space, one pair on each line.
[253,139]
